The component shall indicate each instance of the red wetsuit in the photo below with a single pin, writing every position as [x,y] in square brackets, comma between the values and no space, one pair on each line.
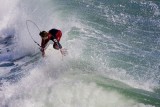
[53,34]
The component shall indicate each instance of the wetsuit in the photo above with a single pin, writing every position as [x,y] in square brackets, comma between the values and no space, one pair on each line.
[53,34]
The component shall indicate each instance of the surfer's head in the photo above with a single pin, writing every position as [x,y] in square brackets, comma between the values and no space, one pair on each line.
[43,34]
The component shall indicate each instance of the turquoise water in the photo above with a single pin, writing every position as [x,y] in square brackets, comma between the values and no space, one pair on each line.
[113,58]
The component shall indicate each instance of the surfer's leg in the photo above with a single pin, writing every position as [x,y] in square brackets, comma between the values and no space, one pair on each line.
[58,35]
[55,46]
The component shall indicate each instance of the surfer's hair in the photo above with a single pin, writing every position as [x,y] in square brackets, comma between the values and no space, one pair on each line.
[43,33]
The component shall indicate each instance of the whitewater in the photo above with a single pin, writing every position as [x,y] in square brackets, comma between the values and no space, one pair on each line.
[113,54]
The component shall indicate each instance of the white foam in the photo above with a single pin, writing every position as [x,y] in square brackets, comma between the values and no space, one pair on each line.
[40,89]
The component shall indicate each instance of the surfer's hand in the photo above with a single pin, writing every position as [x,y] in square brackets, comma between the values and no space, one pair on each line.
[43,54]
[42,49]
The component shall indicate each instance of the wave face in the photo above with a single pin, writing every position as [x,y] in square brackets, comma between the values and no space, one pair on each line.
[113,54]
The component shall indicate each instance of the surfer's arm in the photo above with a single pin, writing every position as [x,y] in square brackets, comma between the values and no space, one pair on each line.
[43,47]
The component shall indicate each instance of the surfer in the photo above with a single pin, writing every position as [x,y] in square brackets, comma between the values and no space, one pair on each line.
[55,36]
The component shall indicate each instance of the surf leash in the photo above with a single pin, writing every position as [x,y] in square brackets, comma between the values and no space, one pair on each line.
[30,32]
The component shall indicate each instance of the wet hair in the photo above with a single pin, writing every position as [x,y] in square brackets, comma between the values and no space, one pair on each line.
[42,33]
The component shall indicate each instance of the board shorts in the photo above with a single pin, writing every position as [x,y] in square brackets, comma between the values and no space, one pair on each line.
[58,35]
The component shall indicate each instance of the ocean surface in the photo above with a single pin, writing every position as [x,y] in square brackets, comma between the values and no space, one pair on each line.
[113,53]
